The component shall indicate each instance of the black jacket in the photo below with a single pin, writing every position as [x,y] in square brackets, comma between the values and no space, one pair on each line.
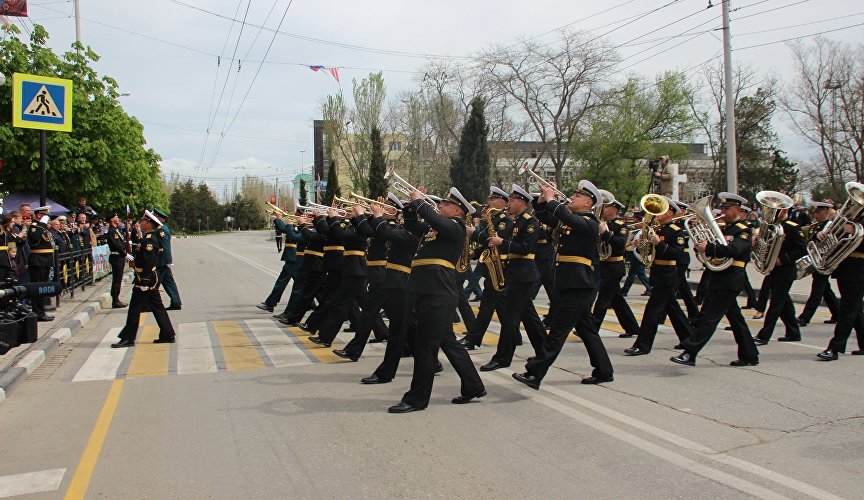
[738,243]
[577,247]
[433,270]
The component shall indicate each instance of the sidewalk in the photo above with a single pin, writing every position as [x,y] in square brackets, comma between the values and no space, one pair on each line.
[72,314]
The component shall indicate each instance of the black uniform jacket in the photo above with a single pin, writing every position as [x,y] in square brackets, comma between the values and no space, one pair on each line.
[41,245]
[503,225]
[334,248]
[521,249]
[851,270]
[145,260]
[794,247]
[313,255]
[433,270]
[117,241]
[616,239]
[577,247]
[667,254]
[401,247]
[544,243]
[738,242]
[294,242]
[354,255]
[376,251]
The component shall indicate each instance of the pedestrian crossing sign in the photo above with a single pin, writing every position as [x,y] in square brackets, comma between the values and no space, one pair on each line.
[41,102]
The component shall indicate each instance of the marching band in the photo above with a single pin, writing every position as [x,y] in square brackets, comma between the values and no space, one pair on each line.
[408,259]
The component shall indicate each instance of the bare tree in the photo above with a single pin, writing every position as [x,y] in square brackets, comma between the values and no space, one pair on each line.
[826,106]
[555,85]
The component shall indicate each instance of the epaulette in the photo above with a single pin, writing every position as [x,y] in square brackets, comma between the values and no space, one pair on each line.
[149,236]
[618,222]
[742,226]
[34,224]
[161,233]
[526,215]
[793,224]
[675,227]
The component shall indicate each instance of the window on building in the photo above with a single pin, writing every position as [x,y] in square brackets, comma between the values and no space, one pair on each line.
[395,146]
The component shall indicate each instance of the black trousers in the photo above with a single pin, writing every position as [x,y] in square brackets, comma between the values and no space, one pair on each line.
[465,311]
[153,300]
[372,305]
[311,286]
[748,289]
[329,289]
[400,311]
[296,290]
[573,310]
[546,268]
[819,289]
[435,331]
[118,265]
[781,306]
[342,307]
[39,274]
[764,294]
[703,284]
[849,315]
[610,295]
[289,271]
[490,302]
[379,328]
[719,303]
[685,294]
[661,302]
[518,308]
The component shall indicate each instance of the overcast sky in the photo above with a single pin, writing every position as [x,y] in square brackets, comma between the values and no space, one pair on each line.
[164,52]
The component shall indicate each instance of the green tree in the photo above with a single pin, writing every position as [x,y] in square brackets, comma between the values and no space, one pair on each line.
[332,184]
[469,170]
[246,212]
[105,153]
[378,185]
[303,198]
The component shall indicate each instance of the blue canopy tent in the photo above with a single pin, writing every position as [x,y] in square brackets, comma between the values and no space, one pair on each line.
[13,201]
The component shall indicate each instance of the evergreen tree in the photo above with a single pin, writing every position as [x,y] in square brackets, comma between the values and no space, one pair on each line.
[783,173]
[332,184]
[303,199]
[377,184]
[469,171]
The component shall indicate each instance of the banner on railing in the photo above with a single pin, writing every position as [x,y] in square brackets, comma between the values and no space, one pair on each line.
[101,267]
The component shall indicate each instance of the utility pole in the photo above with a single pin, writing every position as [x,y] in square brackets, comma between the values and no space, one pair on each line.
[77,21]
[731,160]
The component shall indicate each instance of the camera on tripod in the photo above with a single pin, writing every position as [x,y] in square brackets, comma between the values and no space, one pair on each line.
[18,324]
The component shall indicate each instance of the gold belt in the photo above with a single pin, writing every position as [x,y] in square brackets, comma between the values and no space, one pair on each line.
[43,250]
[356,253]
[397,267]
[620,258]
[530,256]
[141,269]
[738,263]
[290,245]
[433,262]
[313,252]
[376,263]
[857,255]
[4,248]
[665,262]
[541,242]
[300,253]
[338,248]
[686,250]
[575,259]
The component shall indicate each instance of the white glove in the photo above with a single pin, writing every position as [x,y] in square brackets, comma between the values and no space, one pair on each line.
[171,266]
[44,219]
[129,257]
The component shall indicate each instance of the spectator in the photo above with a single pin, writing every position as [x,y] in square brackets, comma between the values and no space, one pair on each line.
[7,261]
[25,218]
[83,208]
[60,243]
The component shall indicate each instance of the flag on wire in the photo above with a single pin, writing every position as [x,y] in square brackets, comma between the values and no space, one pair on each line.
[127,209]
[334,71]
[15,8]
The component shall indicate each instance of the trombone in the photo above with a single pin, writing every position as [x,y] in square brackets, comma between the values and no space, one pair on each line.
[543,182]
[401,185]
[368,202]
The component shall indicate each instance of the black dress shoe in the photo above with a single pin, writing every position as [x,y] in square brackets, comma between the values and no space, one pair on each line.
[304,327]
[748,306]
[634,351]
[461,400]
[528,379]
[492,366]
[319,341]
[377,340]
[279,316]
[123,343]
[288,322]
[801,322]
[265,307]
[597,380]
[625,335]
[728,328]
[349,329]
[685,358]
[403,407]
[373,379]
[678,346]
[759,340]
[119,305]
[831,321]
[164,341]
[827,355]
[45,317]
[177,307]
[438,367]
[789,339]
[342,353]
[859,352]
[741,362]
[467,343]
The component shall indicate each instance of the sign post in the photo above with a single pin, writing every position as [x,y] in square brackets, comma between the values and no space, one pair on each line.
[42,103]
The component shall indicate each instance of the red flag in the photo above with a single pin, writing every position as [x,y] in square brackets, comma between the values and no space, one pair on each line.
[334,71]
[16,8]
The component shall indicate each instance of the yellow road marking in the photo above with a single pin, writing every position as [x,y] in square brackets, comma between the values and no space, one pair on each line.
[84,472]
[237,350]
[321,353]
[149,359]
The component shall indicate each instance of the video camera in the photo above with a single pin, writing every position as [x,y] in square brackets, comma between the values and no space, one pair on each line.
[18,324]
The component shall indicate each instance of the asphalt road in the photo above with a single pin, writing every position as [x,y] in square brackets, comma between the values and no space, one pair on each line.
[243,408]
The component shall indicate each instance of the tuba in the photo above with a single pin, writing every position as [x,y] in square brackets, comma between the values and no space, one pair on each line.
[654,205]
[827,253]
[767,248]
[702,226]
[604,249]
[491,256]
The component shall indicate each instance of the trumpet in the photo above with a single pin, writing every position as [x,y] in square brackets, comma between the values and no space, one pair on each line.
[543,182]
[401,185]
[368,202]
[344,204]
[274,210]
[317,209]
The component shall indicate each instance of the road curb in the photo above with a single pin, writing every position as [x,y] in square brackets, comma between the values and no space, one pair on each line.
[46,345]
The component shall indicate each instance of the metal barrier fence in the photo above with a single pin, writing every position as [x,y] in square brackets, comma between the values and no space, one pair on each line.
[79,268]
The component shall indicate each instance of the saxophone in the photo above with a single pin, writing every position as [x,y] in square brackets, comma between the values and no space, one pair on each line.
[464,261]
[491,257]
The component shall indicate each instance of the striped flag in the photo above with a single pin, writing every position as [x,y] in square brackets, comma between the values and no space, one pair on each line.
[334,71]
[14,8]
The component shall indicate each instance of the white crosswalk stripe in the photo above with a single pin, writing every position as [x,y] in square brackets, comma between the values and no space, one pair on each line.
[104,361]
[194,349]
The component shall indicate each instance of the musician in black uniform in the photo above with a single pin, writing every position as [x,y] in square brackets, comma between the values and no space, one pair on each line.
[723,288]
[290,262]
[684,291]
[313,270]
[402,244]
[433,294]
[491,299]
[782,277]
[850,283]
[613,236]
[41,256]
[821,284]
[520,276]
[117,258]
[574,284]
[145,290]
